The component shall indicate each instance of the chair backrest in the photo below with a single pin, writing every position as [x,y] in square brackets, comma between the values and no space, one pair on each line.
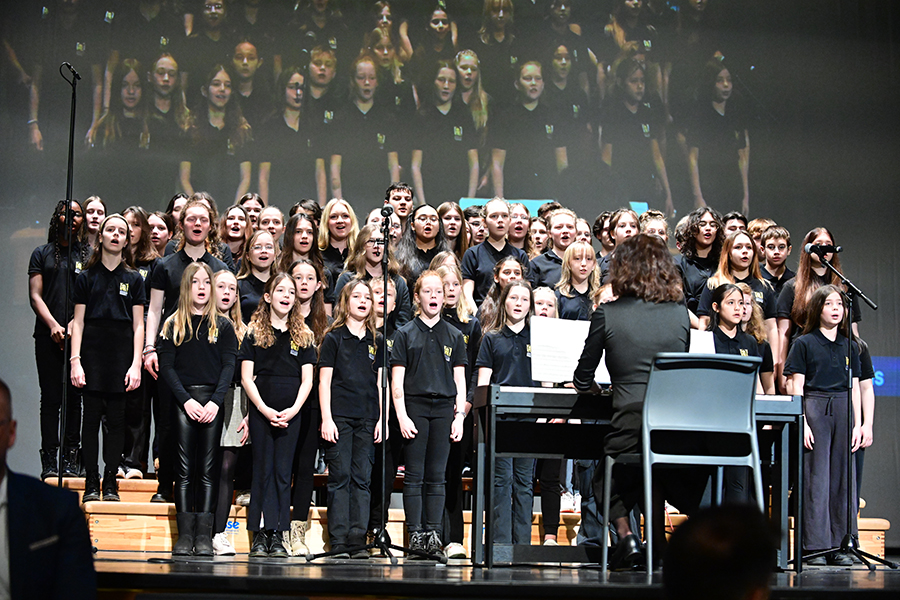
[701,392]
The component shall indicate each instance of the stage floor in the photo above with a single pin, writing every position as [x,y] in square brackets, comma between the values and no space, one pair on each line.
[154,575]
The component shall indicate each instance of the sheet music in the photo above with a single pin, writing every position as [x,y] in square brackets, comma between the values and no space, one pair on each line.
[556,346]
[702,342]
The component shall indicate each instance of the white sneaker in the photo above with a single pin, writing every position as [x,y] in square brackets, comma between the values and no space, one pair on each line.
[577,502]
[550,542]
[243,498]
[222,545]
[132,473]
[455,550]
[566,503]
[120,472]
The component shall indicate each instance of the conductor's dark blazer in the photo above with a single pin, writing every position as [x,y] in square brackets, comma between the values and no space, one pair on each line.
[49,545]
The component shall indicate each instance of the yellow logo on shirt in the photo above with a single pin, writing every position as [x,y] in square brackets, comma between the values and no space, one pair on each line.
[448,352]
[744,352]
[123,289]
[528,350]
[295,348]
[457,133]
[371,352]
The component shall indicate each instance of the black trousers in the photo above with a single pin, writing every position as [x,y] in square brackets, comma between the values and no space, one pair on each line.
[49,360]
[350,462]
[98,405]
[384,473]
[305,461]
[548,470]
[197,468]
[453,510]
[426,462]
[164,412]
[825,482]
[137,423]
[273,457]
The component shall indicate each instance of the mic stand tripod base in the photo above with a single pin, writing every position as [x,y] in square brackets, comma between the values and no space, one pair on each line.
[850,546]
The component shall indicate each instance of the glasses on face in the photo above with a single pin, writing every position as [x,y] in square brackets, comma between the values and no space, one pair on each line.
[213,8]
[261,247]
[426,219]
[373,242]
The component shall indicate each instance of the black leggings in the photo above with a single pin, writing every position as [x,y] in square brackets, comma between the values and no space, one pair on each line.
[49,360]
[453,511]
[305,462]
[197,457]
[381,484]
[426,462]
[229,456]
[164,411]
[548,474]
[96,406]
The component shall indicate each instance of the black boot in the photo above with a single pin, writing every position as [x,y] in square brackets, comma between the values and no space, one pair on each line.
[70,466]
[276,545]
[260,546]
[185,544]
[203,535]
[49,467]
[110,487]
[164,493]
[91,487]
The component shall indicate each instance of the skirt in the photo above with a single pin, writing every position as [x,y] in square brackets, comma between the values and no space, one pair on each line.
[107,349]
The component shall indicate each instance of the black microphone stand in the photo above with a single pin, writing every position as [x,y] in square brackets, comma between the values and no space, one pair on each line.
[70,173]
[382,541]
[849,543]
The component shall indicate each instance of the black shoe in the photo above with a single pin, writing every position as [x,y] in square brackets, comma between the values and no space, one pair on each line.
[627,555]
[163,493]
[49,466]
[203,524]
[341,550]
[260,546]
[70,467]
[818,561]
[839,559]
[110,487]
[91,488]
[417,541]
[184,546]
[359,554]
[433,544]
[276,545]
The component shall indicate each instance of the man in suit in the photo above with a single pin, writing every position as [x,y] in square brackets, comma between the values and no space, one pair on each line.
[45,549]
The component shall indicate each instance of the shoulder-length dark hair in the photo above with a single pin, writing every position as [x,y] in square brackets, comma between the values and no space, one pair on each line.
[286,260]
[236,125]
[462,240]
[143,251]
[689,249]
[718,295]
[817,303]
[56,232]
[318,319]
[642,267]
[408,252]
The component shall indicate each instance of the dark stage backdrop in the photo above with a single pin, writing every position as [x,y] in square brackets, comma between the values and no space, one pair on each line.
[822,79]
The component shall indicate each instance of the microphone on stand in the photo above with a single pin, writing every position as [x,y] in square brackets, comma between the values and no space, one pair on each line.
[72,70]
[387,210]
[821,250]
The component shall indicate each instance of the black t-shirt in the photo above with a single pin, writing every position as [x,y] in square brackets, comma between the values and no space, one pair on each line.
[471,332]
[508,355]
[284,358]
[355,363]
[763,294]
[429,355]
[530,139]
[197,361]
[251,289]
[215,160]
[546,269]
[167,272]
[144,269]
[136,37]
[109,295]
[292,173]
[403,312]
[742,344]
[631,136]
[445,141]
[318,115]
[823,362]
[576,307]
[778,283]
[478,265]
[258,106]
[363,141]
[718,139]
[44,263]
[694,273]
[334,260]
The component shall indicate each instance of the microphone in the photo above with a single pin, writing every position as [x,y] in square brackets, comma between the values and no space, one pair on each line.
[387,210]
[72,70]
[822,249]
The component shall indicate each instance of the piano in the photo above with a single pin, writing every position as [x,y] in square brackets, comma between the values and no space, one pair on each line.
[507,426]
